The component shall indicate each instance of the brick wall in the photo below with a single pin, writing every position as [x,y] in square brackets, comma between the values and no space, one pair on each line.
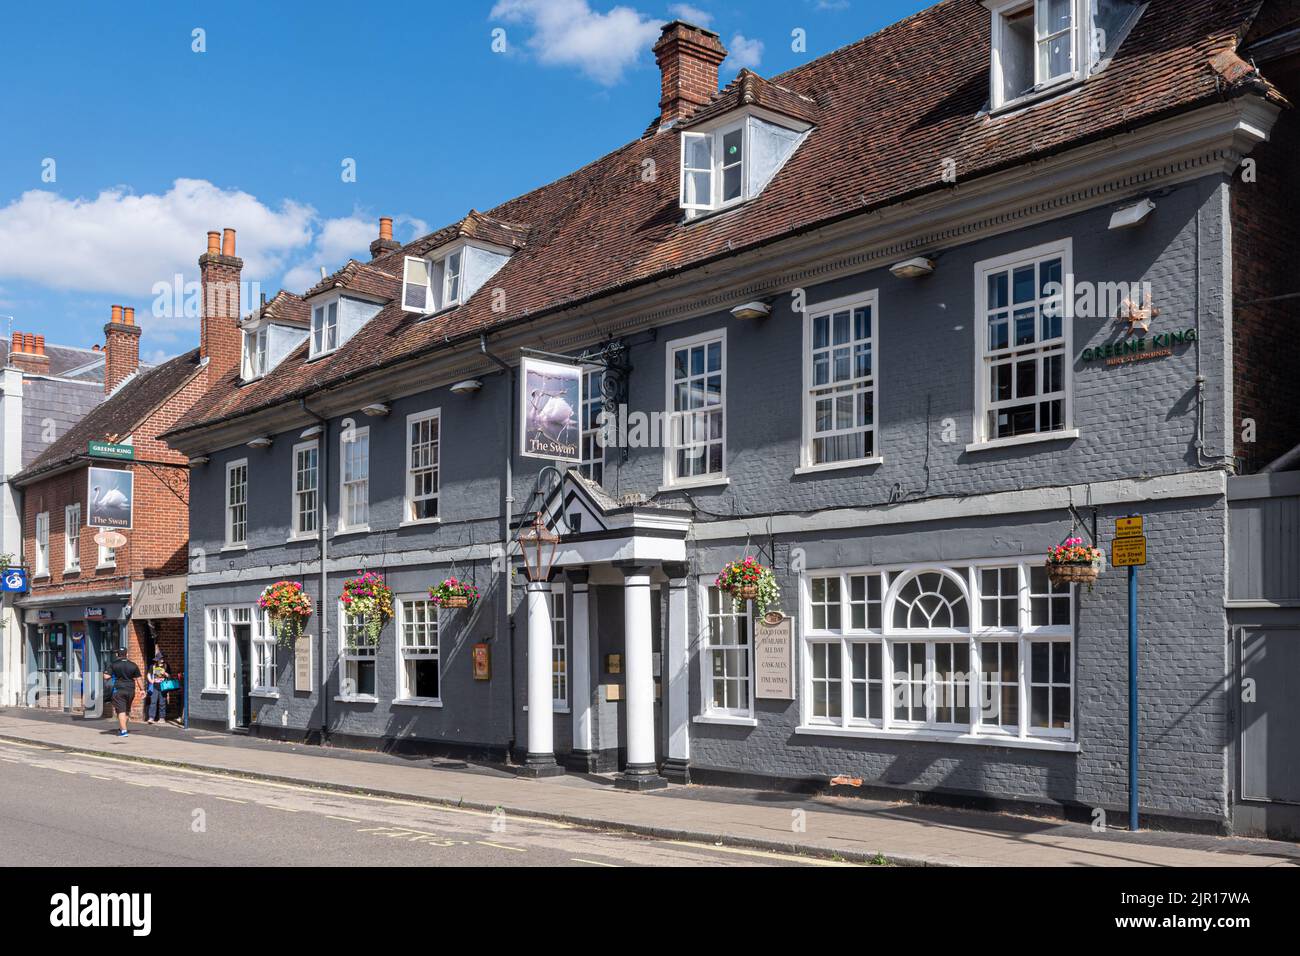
[1265,227]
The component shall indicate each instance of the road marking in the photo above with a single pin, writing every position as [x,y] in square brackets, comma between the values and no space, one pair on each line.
[188,793]
[272,806]
[502,846]
[231,800]
[62,770]
[11,759]
[99,777]
[210,737]
[330,816]
[137,783]
[765,854]
[16,743]
[578,859]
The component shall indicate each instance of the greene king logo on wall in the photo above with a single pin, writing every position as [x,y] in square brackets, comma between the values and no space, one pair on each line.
[111,498]
[549,405]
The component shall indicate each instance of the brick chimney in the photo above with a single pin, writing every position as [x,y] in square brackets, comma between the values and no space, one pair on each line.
[385,242]
[219,335]
[121,347]
[27,352]
[688,58]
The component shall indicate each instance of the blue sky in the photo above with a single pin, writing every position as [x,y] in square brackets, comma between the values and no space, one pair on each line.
[120,145]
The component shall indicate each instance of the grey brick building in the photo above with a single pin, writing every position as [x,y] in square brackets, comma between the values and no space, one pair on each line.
[905,335]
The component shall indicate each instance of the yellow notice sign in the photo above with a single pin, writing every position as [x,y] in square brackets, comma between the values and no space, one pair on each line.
[1128,527]
[1128,552]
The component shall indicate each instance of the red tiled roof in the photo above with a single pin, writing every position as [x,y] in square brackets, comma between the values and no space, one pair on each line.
[750,89]
[886,107]
[360,277]
[286,308]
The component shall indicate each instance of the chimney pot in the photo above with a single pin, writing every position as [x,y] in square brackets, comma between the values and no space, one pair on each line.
[228,242]
[17,345]
[385,227]
[29,343]
[117,314]
[128,315]
[39,345]
[214,243]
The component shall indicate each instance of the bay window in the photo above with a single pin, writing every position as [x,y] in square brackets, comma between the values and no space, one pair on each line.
[983,650]
[1023,387]
[839,410]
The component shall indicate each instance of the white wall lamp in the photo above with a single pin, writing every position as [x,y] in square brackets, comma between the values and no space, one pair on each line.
[752,310]
[913,268]
[314,432]
[467,387]
[1127,217]
[376,410]
[199,461]
[260,442]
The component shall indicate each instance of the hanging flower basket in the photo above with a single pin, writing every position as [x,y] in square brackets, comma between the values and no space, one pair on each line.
[1074,563]
[370,599]
[452,593]
[748,580]
[288,607]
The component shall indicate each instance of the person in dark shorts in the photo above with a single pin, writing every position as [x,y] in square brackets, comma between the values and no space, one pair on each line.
[125,675]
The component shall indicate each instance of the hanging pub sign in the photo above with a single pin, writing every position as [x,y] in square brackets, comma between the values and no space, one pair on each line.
[550,402]
[111,498]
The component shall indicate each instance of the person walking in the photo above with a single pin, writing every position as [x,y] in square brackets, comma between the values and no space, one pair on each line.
[125,675]
[156,705]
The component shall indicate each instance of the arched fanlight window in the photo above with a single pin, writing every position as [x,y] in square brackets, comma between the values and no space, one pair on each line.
[930,601]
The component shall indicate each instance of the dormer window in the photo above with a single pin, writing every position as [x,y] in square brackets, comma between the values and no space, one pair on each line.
[442,279]
[1041,44]
[324,328]
[255,352]
[451,280]
[732,162]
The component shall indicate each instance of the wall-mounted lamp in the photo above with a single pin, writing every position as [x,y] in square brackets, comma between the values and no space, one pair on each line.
[752,310]
[375,410]
[467,387]
[199,460]
[313,432]
[1134,215]
[913,268]
[260,442]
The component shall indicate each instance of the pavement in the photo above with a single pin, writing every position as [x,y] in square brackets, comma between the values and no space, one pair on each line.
[826,827]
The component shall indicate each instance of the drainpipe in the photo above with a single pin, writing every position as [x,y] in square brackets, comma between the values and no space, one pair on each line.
[322,495]
[507,623]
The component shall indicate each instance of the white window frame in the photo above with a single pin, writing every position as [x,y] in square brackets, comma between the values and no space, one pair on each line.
[1080,44]
[324,335]
[216,649]
[871,384]
[670,477]
[592,453]
[295,493]
[263,669]
[230,510]
[409,515]
[448,297]
[407,652]
[256,351]
[345,524]
[41,539]
[968,576]
[72,538]
[348,656]
[560,671]
[726,609]
[1064,250]
[427,266]
[718,167]
[106,558]
[438,279]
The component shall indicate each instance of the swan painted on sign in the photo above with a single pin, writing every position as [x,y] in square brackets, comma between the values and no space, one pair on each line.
[550,413]
[114,500]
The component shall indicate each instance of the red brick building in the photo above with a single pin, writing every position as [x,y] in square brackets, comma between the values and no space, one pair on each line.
[78,613]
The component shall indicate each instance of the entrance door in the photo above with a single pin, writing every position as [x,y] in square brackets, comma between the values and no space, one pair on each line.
[1270,715]
[242,634]
[51,667]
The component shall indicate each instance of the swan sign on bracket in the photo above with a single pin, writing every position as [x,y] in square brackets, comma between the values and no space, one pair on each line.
[549,409]
[112,493]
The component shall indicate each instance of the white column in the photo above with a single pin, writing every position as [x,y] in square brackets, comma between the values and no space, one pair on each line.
[677,677]
[541,712]
[641,772]
[581,663]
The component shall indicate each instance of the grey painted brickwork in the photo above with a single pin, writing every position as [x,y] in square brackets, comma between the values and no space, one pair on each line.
[1135,420]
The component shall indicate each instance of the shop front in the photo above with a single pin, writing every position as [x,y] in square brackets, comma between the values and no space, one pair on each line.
[68,646]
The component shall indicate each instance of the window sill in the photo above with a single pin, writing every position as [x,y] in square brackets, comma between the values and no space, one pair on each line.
[838,465]
[930,736]
[345,532]
[1068,434]
[416,702]
[268,694]
[704,214]
[234,547]
[302,538]
[693,484]
[1055,88]
[220,691]
[71,572]
[356,699]
[555,708]
[725,720]
[106,567]
[417,522]
[41,576]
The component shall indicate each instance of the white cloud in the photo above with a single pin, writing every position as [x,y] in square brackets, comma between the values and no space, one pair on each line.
[684,11]
[570,33]
[744,52]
